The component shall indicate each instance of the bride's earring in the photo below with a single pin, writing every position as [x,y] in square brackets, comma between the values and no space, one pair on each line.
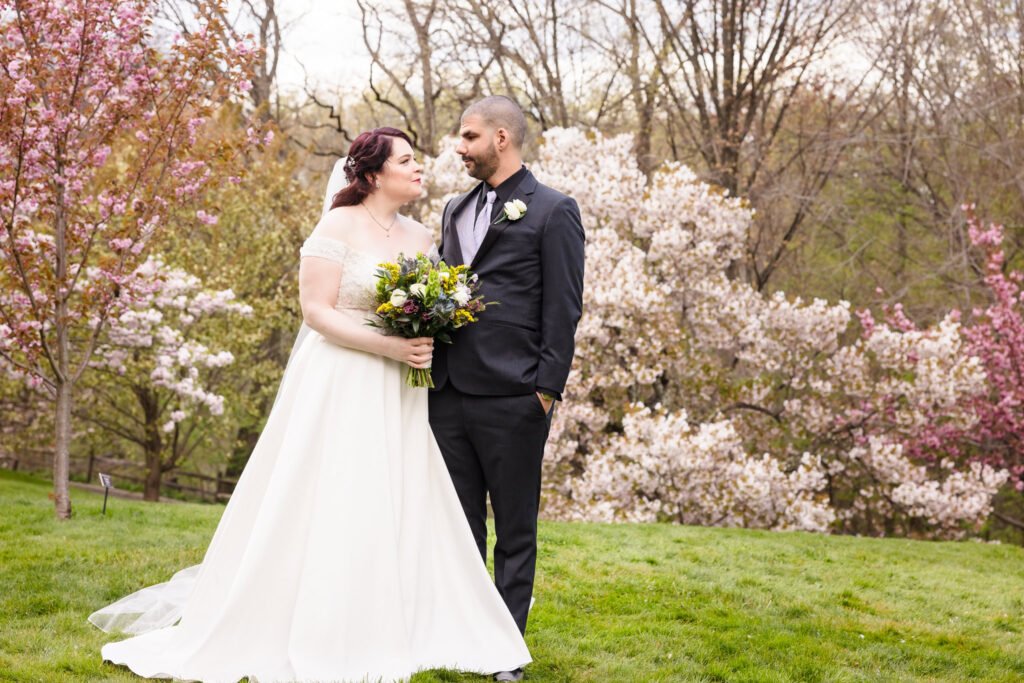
[377,184]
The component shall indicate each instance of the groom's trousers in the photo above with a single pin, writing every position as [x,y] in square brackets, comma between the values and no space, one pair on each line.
[495,444]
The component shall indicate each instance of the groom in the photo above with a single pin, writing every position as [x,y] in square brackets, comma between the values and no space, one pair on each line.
[497,383]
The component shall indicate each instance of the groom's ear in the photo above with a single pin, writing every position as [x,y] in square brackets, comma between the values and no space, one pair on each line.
[502,139]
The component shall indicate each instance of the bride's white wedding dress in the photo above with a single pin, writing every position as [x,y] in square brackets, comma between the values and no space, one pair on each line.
[343,554]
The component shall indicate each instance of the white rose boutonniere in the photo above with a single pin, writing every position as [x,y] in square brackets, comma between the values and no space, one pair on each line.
[513,211]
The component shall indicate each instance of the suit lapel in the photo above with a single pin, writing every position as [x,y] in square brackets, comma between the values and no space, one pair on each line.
[452,253]
[524,192]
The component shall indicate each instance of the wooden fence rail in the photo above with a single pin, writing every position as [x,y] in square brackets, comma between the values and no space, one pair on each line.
[208,488]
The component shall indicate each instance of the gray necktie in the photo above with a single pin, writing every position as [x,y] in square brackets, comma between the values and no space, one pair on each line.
[483,221]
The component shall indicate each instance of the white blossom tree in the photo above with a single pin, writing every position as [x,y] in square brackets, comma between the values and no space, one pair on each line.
[153,371]
[697,399]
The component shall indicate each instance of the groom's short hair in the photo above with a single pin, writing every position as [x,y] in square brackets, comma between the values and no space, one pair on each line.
[498,111]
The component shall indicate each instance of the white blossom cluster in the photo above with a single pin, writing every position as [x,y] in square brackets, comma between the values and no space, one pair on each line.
[962,496]
[665,467]
[152,339]
[444,177]
[694,398]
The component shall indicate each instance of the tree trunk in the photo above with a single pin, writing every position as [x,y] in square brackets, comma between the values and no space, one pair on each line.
[62,376]
[153,474]
[643,100]
[266,65]
[245,440]
[428,138]
[62,451]
[154,444]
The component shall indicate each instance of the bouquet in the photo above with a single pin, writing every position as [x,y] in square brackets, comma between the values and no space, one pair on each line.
[415,298]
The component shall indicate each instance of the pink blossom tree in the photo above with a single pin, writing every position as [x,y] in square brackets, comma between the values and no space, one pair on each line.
[995,336]
[26,430]
[100,134]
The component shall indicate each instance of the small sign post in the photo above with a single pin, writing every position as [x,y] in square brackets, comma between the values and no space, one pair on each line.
[107,485]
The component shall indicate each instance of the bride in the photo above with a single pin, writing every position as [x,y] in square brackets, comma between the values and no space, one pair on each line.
[344,553]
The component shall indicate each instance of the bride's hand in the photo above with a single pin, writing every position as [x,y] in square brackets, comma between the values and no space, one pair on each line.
[416,352]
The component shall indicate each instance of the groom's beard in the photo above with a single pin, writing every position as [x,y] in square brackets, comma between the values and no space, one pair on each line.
[482,166]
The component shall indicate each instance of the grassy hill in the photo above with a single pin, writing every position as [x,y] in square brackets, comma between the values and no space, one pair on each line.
[614,603]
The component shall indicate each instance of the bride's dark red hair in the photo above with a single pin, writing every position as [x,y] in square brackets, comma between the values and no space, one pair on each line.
[366,157]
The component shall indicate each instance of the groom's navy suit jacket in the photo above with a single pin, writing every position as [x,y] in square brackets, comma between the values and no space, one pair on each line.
[533,268]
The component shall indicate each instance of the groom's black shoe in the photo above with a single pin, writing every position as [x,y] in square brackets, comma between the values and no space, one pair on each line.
[516,675]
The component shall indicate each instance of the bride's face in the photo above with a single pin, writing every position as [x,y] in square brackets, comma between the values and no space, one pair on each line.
[400,177]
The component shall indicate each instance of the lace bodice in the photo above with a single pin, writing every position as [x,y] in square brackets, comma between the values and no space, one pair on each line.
[359,271]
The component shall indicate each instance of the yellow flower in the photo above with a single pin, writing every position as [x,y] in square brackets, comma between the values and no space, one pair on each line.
[463,317]
[455,273]
[386,309]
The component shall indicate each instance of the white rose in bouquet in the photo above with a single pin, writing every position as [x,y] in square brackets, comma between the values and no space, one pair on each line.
[398,298]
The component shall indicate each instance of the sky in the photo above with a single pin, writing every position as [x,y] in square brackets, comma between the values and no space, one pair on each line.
[325,37]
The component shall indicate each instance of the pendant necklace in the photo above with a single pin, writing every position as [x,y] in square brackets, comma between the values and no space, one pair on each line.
[387,230]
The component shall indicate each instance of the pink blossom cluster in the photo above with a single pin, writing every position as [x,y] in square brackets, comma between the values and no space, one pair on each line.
[100,131]
[995,337]
[97,130]
[695,398]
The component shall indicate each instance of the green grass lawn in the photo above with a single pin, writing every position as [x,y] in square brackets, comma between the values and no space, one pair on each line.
[614,603]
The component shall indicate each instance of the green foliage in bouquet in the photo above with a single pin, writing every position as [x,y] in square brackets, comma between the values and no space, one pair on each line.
[416,298]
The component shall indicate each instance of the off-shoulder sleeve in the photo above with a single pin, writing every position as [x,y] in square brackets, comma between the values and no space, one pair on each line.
[323,247]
